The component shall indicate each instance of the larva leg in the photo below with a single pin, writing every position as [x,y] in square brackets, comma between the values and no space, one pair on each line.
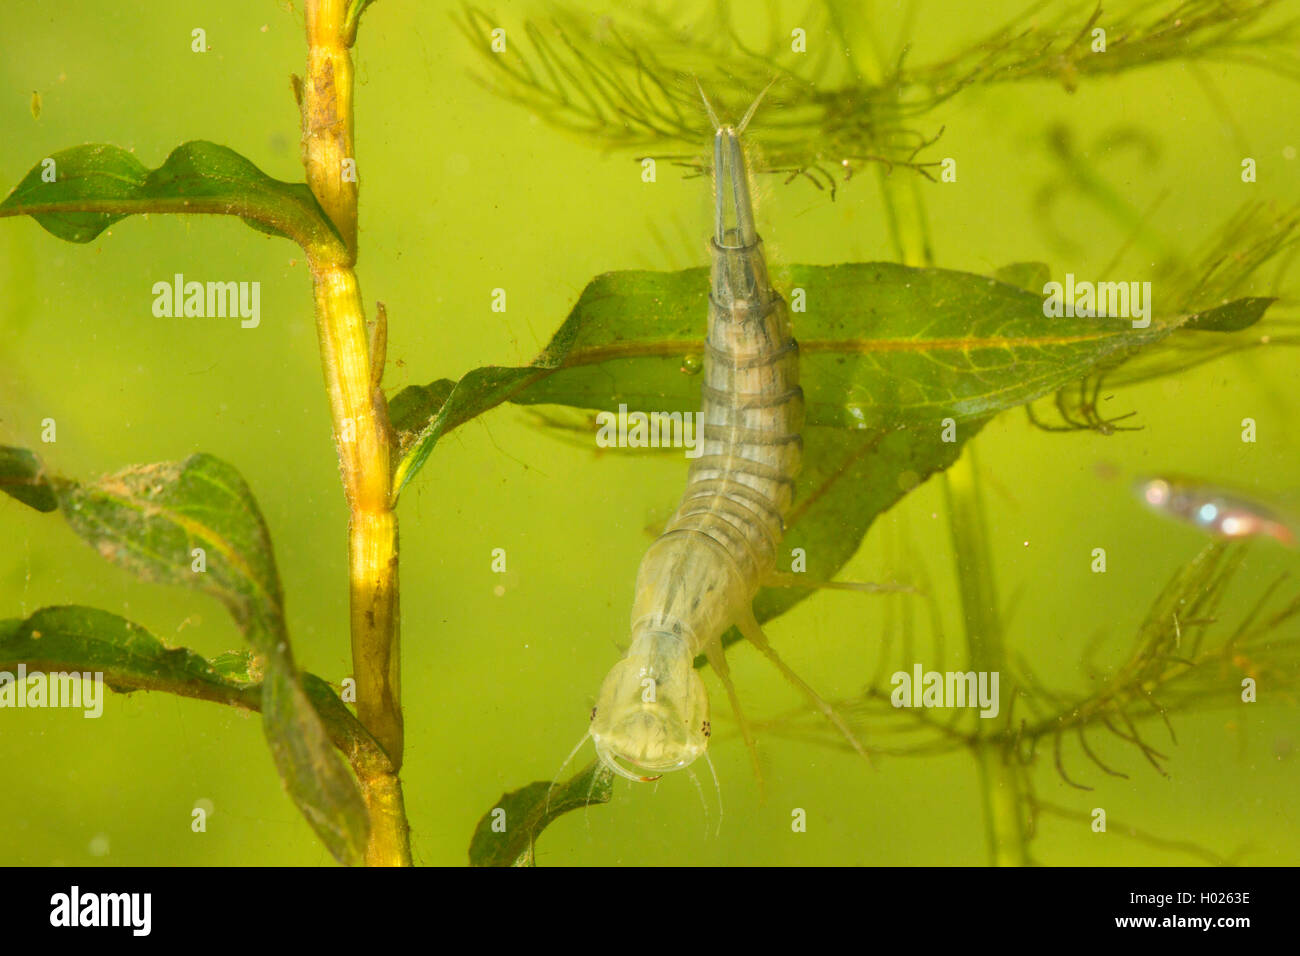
[750,628]
[785,579]
[717,658]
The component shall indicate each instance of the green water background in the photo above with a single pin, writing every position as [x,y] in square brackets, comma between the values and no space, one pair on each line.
[462,193]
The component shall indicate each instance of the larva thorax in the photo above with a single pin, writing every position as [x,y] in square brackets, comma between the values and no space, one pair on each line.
[701,574]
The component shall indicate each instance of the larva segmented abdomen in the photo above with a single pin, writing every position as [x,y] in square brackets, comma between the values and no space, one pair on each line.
[741,487]
[723,539]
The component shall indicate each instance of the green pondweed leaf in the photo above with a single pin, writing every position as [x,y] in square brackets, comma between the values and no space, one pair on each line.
[77,193]
[881,346]
[355,9]
[1232,317]
[193,523]
[888,354]
[422,414]
[196,523]
[130,658]
[507,834]
[21,477]
[316,777]
[1030,276]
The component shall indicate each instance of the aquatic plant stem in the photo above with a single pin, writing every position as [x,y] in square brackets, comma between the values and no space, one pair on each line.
[1005,805]
[905,213]
[362,432]
[974,563]
[900,194]
[1005,811]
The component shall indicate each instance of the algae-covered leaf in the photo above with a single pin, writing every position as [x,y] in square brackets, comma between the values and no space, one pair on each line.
[193,523]
[197,524]
[415,407]
[129,658]
[507,833]
[888,352]
[21,477]
[74,638]
[881,346]
[78,638]
[77,193]
[314,775]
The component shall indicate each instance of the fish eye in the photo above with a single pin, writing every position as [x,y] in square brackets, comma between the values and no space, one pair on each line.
[1157,492]
[1208,512]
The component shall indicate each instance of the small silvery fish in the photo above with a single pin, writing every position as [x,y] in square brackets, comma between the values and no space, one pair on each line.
[1213,510]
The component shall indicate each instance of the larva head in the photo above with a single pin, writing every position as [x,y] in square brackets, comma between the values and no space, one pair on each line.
[652,714]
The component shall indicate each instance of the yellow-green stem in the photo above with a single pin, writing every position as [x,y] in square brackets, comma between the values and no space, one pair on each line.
[390,838]
[1002,787]
[905,213]
[1004,806]
[361,428]
[361,436]
[900,190]
[974,558]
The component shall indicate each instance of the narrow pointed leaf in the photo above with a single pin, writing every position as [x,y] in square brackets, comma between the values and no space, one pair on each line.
[1030,276]
[21,477]
[89,640]
[507,834]
[474,394]
[314,774]
[888,353]
[77,193]
[74,638]
[1231,317]
[881,345]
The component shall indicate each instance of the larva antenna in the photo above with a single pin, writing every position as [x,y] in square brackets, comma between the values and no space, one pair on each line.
[717,788]
[567,760]
[703,803]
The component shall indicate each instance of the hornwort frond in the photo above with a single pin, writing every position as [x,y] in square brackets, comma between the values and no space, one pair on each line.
[1160,677]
